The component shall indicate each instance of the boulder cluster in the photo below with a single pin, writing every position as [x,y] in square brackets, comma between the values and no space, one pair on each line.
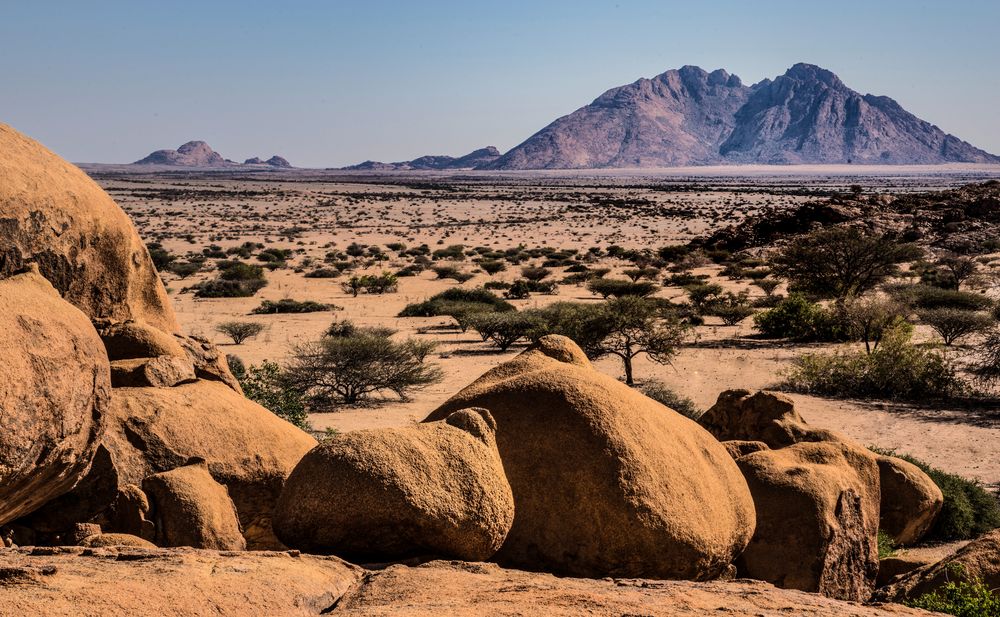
[117,430]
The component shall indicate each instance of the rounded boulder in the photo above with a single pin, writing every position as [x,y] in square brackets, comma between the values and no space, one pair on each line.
[388,494]
[54,395]
[53,215]
[606,481]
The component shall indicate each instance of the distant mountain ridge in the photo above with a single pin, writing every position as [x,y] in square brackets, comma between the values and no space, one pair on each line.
[692,117]
[200,154]
[472,160]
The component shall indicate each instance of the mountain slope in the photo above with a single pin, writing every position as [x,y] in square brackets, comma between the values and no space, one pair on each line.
[191,154]
[691,117]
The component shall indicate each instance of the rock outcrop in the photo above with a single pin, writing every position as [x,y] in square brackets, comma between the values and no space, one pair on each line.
[817,519]
[151,583]
[246,447]
[190,154]
[977,560]
[55,393]
[390,494]
[189,508]
[606,482]
[910,501]
[53,215]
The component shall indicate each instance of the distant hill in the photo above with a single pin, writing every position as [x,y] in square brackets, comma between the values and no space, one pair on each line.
[691,117]
[200,154]
[476,158]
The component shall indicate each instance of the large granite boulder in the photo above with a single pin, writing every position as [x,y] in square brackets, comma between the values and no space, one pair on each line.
[606,481]
[53,215]
[817,518]
[55,391]
[189,508]
[388,494]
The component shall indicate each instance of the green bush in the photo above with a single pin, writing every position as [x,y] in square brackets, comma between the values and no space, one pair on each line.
[287,305]
[969,510]
[732,308]
[619,288]
[505,329]
[928,297]
[435,305]
[886,545]
[961,598]
[659,392]
[797,318]
[952,324]
[263,385]
[897,370]
[235,280]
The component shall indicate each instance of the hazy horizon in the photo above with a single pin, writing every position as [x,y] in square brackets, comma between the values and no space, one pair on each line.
[328,85]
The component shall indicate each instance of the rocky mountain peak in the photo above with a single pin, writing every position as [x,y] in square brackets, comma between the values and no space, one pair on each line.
[689,116]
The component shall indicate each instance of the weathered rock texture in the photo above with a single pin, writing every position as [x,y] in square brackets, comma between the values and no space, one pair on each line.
[745,421]
[189,508]
[472,589]
[910,500]
[692,117]
[817,519]
[246,447]
[136,582]
[605,480]
[54,393]
[979,559]
[53,215]
[388,494]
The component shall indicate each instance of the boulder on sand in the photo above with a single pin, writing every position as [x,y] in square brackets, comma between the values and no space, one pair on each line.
[388,494]
[817,519]
[245,446]
[606,481]
[910,500]
[53,215]
[189,508]
[54,395]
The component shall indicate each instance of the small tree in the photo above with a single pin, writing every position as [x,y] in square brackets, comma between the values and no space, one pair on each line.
[767,286]
[871,318]
[348,369]
[632,326]
[958,269]
[986,365]
[618,288]
[702,296]
[840,262]
[953,324]
[505,329]
[240,331]
[732,308]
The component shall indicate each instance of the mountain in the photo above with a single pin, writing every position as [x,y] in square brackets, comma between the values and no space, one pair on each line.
[200,154]
[474,159]
[691,117]
[274,161]
[191,154]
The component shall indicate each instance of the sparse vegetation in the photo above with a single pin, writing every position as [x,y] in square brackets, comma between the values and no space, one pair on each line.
[240,331]
[288,305]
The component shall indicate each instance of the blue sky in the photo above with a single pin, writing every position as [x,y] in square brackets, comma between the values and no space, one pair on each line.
[333,83]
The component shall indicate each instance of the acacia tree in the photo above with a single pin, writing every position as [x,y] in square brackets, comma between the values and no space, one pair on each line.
[841,262]
[631,326]
[872,318]
[239,331]
[351,367]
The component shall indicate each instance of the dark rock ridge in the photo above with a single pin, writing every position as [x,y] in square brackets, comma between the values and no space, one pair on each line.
[691,117]
[200,154]
[472,160]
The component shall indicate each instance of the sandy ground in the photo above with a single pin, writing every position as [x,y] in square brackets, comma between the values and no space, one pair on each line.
[314,217]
